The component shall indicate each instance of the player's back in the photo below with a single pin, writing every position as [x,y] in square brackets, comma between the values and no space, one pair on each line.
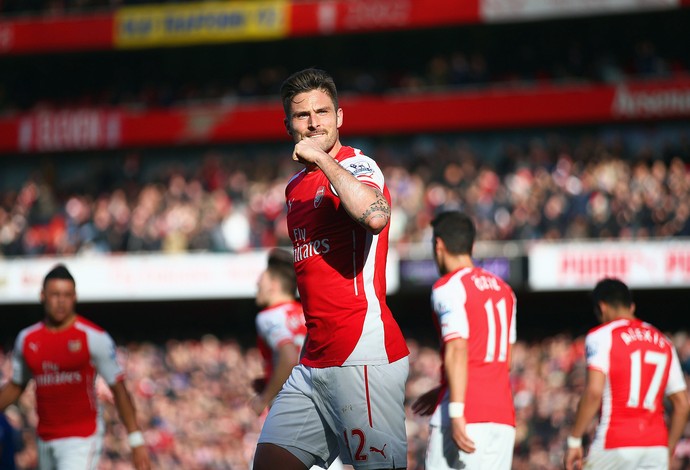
[484,307]
[636,358]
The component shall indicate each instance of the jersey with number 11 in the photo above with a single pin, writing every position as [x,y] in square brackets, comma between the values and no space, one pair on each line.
[476,305]
[641,366]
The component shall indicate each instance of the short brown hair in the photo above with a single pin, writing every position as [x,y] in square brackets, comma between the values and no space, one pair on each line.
[457,231]
[307,80]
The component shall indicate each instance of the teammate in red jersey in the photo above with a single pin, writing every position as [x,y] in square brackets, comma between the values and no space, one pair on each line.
[473,421]
[631,366]
[63,354]
[280,326]
[347,393]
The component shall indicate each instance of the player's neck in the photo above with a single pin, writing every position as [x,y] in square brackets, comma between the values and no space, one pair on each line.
[620,314]
[61,325]
[333,152]
[456,262]
[280,299]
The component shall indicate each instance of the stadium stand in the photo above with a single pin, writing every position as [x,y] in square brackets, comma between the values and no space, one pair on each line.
[570,185]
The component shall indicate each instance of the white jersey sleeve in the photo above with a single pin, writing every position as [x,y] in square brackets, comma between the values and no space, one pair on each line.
[104,355]
[21,374]
[448,302]
[598,348]
[364,169]
[272,327]
[676,381]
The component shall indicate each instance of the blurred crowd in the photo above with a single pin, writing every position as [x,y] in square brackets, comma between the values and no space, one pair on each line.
[552,187]
[192,397]
[156,79]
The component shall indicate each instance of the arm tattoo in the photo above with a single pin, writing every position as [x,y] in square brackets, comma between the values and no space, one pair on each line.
[379,205]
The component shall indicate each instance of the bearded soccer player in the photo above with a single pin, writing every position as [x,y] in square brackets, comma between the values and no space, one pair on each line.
[473,420]
[347,393]
[631,366]
[63,353]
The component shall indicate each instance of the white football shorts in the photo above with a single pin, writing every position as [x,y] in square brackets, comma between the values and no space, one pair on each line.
[628,458]
[71,453]
[355,411]
[494,445]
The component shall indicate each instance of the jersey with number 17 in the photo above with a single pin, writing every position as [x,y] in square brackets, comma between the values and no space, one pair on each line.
[476,305]
[641,366]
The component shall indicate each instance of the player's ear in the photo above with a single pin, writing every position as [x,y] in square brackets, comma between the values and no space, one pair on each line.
[439,245]
[632,308]
[339,118]
[287,126]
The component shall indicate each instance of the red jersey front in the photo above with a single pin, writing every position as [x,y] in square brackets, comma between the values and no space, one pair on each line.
[278,325]
[341,270]
[641,366]
[64,365]
[478,306]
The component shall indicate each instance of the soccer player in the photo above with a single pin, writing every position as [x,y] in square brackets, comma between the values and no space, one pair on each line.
[630,367]
[347,393]
[280,326]
[63,353]
[473,420]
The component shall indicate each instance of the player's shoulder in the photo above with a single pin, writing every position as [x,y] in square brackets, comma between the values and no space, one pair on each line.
[356,162]
[451,278]
[82,323]
[295,178]
[607,328]
[30,330]
[275,311]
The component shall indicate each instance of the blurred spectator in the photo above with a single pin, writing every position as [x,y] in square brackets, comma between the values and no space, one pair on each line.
[555,188]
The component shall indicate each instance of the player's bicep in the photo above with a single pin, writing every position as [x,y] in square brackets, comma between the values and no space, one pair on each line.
[596,381]
[272,327]
[449,306]
[21,373]
[597,351]
[676,381]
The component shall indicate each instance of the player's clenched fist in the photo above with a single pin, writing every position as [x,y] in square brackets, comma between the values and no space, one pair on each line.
[307,152]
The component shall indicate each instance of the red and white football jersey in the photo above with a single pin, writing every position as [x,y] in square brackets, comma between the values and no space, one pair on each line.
[476,305]
[64,365]
[641,366]
[341,271]
[278,325]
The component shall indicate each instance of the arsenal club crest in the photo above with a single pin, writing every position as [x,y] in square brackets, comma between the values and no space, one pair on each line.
[319,196]
[74,345]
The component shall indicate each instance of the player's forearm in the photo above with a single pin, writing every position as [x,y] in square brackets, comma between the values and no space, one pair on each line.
[590,401]
[287,359]
[679,418]
[365,204]
[586,410]
[125,407]
[455,361]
